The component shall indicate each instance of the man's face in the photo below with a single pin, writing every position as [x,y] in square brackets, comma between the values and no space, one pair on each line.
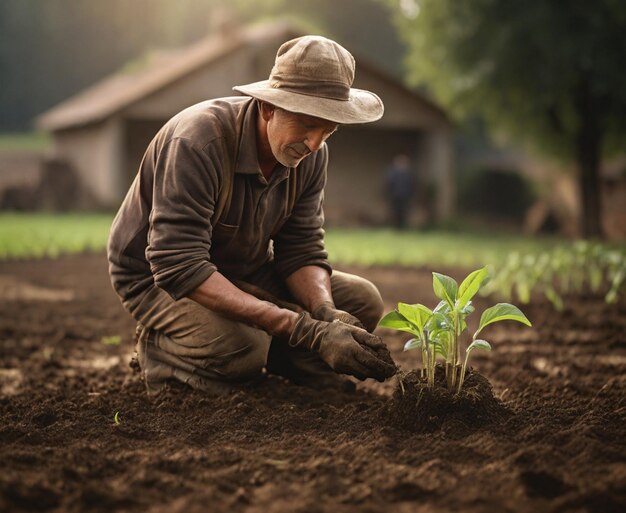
[294,136]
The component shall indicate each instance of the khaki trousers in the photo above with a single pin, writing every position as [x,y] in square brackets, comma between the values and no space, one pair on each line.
[185,341]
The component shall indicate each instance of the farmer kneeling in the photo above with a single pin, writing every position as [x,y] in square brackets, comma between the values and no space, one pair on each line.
[218,248]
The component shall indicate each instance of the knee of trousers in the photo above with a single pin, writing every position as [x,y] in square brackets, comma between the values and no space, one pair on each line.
[246,354]
[251,358]
[231,351]
[365,303]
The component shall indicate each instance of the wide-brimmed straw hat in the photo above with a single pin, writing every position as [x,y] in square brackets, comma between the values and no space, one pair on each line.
[313,75]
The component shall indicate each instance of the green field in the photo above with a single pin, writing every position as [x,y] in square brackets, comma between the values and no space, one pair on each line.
[27,141]
[41,235]
[428,248]
[38,235]
[519,265]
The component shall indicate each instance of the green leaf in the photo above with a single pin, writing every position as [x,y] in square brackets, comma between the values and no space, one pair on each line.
[414,343]
[445,288]
[440,349]
[442,307]
[113,340]
[501,312]
[439,336]
[554,298]
[439,321]
[417,314]
[467,309]
[396,321]
[523,292]
[611,297]
[479,344]
[470,286]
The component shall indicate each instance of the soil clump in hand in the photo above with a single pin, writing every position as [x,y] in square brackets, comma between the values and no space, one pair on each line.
[417,408]
[382,353]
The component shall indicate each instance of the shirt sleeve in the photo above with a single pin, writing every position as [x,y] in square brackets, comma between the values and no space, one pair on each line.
[300,241]
[179,237]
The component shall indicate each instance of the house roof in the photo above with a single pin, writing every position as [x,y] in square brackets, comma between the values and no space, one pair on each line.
[133,83]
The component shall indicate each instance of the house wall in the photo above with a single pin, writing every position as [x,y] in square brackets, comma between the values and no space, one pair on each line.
[438,160]
[359,157]
[95,153]
[138,134]
[403,110]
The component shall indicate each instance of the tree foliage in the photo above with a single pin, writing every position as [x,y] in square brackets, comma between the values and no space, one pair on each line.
[550,72]
[523,65]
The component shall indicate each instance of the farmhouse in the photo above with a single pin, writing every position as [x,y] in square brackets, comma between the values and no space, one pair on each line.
[102,132]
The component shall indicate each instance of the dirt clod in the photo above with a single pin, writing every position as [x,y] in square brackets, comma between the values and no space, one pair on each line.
[382,353]
[417,408]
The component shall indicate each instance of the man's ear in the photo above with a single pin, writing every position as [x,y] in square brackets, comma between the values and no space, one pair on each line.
[266,110]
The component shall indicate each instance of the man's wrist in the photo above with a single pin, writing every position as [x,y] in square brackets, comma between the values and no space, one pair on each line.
[321,310]
[279,322]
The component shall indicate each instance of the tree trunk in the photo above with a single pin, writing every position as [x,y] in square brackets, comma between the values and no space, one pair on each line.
[588,149]
[588,156]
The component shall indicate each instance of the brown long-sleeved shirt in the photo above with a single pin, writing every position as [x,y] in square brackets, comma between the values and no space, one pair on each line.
[165,231]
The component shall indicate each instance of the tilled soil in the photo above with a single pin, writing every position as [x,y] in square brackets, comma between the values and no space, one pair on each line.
[560,446]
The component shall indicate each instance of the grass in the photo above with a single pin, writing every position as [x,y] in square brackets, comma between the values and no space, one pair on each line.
[27,141]
[38,235]
[429,248]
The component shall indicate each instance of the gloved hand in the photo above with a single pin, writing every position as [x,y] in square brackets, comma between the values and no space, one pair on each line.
[327,312]
[346,349]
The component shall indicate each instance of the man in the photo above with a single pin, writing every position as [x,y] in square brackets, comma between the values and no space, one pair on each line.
[400,184]
[217,250]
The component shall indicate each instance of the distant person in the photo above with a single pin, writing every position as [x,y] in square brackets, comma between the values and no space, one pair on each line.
[218,248]
[400,185]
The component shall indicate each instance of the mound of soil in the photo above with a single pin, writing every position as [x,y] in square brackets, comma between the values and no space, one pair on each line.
[416,407]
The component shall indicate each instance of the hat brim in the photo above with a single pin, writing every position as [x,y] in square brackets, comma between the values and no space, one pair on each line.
[361,107]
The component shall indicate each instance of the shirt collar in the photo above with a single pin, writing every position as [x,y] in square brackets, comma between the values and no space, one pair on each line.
[247,155]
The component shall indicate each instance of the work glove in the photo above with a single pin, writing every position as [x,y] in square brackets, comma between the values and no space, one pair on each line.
[345,348]
[327,312]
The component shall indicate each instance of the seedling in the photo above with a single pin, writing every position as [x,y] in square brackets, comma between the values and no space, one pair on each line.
[116,418]
[577,269]
[113,340]
[438,332]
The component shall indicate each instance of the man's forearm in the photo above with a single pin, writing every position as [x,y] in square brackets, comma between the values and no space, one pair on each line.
[310,286]
[218,294]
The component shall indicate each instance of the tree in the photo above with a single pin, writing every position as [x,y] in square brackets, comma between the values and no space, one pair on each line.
[551,72]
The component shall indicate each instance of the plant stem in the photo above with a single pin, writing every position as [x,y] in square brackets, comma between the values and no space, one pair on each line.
[454,349]
[424,357]
[458,391]
[401,384]
[432,368]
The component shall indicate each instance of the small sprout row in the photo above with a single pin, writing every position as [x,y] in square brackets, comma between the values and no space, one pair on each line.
[580,268]
[438,332]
